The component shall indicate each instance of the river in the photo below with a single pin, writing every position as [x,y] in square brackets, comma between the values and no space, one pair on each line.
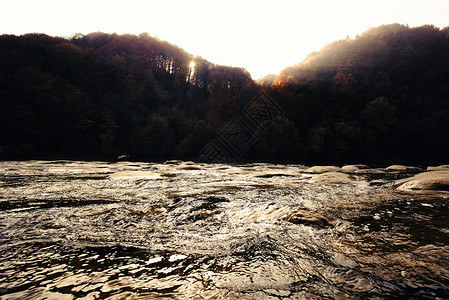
[180,230]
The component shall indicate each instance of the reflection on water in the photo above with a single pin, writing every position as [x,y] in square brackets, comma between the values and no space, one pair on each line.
[93,230]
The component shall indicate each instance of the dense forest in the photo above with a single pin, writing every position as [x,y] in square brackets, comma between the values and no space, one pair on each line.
[382,96]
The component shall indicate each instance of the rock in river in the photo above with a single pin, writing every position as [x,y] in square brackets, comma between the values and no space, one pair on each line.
[332,177]
[438,168]
[369,172]
[308,219]
[404,169]
[322,169]
[353,168]
[134,175]
[427,181]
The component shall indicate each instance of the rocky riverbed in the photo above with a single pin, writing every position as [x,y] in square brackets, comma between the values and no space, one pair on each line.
[182,230]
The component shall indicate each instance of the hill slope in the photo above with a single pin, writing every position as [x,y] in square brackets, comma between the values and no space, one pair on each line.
[379,97]
[102,95]
[383,95]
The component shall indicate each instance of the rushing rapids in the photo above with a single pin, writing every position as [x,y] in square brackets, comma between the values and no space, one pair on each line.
[95,230]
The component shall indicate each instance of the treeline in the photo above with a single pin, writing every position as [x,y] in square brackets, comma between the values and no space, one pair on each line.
[383,96]
[103,95]
[379,97]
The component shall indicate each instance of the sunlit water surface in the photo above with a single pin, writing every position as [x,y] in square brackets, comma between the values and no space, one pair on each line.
[94,230]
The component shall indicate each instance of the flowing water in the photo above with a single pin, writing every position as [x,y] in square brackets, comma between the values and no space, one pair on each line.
[95,230]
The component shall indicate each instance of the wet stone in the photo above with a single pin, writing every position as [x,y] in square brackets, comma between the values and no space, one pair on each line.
[308,219]
[369,171]
[401,168]
[189,168]
[332,177]
[134,175]
[438,168]
[353,168]
[322,169]
[427,181]
[173,162]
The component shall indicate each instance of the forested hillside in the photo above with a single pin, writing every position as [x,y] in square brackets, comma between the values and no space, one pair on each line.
[102,95]
[381,96]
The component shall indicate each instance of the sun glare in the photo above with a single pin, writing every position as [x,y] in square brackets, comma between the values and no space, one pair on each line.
[191,71]
[284,35]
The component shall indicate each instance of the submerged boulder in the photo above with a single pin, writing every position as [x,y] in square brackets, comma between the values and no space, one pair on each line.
[134,175]
[353,168]
[173,162]
[332,177]
[308,219]
[427,181]
[275,173]
[322,169]
[404,169]
[369,171]
[438,168]
[189,168]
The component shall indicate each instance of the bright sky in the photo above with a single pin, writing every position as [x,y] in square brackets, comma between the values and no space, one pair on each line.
[261,36]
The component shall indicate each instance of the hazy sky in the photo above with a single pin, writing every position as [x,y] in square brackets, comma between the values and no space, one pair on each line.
[261,36]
